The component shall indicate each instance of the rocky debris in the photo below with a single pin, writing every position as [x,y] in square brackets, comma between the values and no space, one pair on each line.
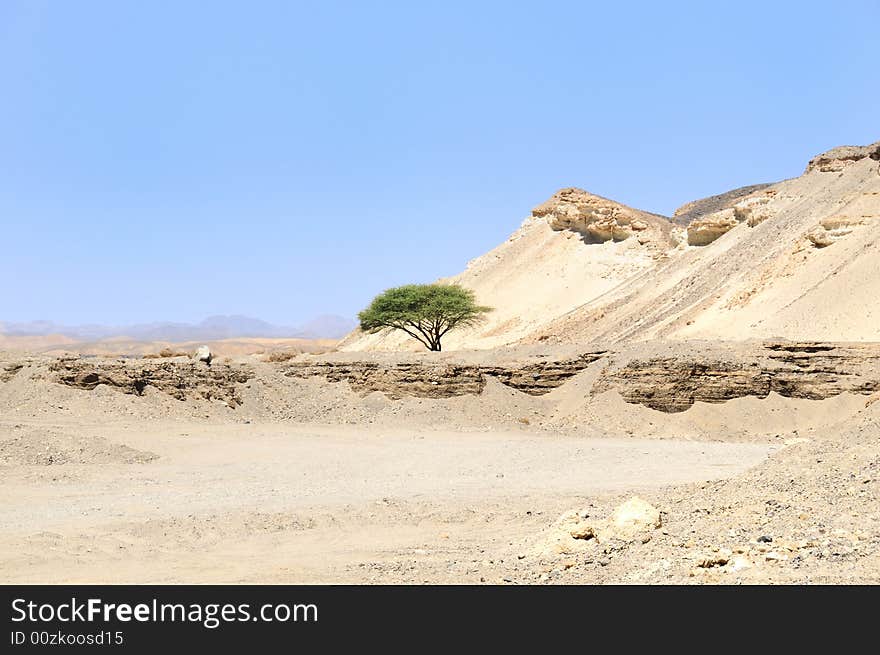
[442,379]
[836,159]
[691,211]
[203,354]
[794,370]
[569,534]
[598,219]
[182,380]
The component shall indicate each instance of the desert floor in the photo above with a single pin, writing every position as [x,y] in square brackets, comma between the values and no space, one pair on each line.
[270,503]
[305,480]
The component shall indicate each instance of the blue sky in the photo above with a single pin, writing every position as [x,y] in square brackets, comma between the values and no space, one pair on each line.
[173,160]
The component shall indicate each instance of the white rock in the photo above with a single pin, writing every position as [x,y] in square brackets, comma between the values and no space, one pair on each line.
[203,354]
[636,515]
[739,564]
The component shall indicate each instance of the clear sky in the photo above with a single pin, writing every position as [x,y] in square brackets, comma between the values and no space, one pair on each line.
[173,160]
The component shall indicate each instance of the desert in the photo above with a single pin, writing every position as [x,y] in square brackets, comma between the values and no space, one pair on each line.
[656,400]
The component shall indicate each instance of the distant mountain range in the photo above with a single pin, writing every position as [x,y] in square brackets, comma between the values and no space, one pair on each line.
[213,327]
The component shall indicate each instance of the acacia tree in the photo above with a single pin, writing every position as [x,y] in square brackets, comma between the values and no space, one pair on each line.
[424,311]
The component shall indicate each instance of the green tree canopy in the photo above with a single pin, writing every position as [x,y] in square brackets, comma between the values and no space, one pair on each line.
[424,311]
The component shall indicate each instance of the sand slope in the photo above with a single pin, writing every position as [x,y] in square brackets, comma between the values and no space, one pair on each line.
[797,260]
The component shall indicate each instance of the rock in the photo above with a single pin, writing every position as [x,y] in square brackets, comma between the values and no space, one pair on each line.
[441,379]
[705,230]
[582,531]
[633,517]
[765,539]
[834,228]
[752,210]
[203,354]
[600,219]
[688,212]
[739,564]
[836,159]
[713,560]
[773,556]
[182,380]
[791,369]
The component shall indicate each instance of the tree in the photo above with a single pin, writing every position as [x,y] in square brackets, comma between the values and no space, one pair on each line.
[424,311]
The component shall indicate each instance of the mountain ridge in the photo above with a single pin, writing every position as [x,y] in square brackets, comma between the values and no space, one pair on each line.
[325,326]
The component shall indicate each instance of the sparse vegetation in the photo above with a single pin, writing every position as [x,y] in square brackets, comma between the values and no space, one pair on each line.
[426,312]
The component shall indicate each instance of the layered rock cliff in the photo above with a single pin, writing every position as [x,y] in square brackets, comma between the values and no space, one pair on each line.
[182,379]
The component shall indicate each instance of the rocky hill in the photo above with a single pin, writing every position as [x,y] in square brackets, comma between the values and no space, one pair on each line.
[792,260]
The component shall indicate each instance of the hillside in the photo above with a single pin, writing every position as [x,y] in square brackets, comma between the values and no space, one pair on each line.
[572,249]
[794,260]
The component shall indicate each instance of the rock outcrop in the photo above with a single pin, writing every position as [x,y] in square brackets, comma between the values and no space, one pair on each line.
[691,211]
[795,370]
[598,219]
[181,379]
[442,379]
[863,211]
[704,230]
[751,210]
[836,159]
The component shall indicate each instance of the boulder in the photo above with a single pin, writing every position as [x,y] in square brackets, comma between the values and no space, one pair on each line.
[203,354]
[635,516]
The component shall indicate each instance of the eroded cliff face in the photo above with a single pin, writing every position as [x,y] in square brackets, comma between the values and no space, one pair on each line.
[599,219]
[695,209]
[181,379]
[796,370]
[752,210]
[444,379]
[665,376]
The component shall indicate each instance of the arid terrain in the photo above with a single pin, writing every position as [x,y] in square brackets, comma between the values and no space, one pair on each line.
[689,400]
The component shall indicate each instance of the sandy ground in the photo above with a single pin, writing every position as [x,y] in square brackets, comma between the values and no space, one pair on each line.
[272,503]
[310,481]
